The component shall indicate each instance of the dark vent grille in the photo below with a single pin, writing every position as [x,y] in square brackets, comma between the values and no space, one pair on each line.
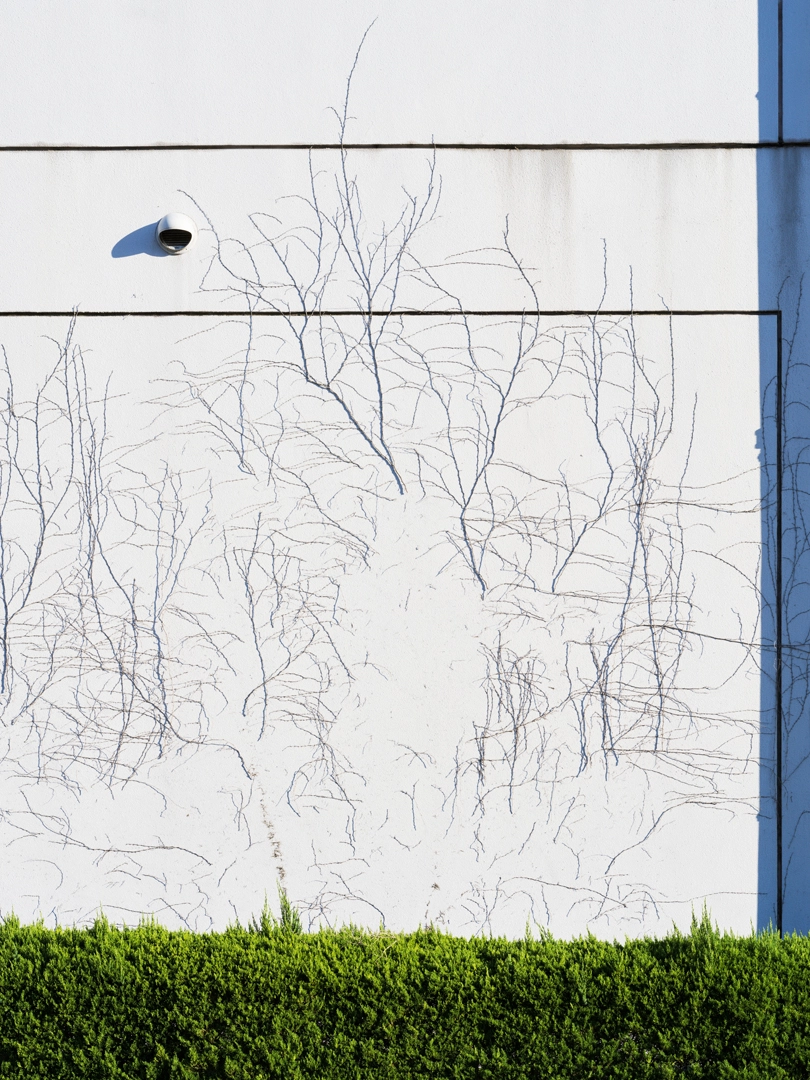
[175,239]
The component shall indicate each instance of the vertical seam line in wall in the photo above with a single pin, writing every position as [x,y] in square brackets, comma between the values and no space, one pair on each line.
[780,94]
[778,589]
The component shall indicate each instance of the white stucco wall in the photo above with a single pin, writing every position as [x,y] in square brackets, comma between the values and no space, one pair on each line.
[256,72]
[684,223]
[536,683]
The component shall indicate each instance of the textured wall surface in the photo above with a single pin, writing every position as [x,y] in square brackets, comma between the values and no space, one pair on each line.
[428,537]
[257,72]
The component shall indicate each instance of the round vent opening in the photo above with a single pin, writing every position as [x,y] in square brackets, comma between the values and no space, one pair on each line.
[175,233]
[174,239]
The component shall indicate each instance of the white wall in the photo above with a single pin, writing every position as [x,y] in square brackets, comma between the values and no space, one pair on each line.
[683,223]
[245,655]
[258,72]
[496,695]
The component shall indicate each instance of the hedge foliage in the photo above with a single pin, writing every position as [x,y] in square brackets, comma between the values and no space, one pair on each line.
[270,1001]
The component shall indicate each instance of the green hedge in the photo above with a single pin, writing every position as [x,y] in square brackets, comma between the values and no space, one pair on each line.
[270,1001]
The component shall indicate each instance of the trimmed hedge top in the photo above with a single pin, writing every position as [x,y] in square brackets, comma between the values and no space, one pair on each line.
[270,1001]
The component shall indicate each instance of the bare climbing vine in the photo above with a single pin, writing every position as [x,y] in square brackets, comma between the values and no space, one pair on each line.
[218,593]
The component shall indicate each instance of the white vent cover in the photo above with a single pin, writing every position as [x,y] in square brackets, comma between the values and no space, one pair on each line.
[176,233]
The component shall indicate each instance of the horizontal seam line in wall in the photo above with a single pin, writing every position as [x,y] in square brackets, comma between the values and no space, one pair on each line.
[59,148]
[379,314]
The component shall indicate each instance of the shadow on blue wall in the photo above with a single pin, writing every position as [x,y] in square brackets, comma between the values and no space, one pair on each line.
[783,194]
